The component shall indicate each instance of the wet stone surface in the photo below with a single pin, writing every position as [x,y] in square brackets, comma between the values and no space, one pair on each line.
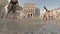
[29,26]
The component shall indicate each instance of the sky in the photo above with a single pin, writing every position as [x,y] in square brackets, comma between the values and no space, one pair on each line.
[50,4]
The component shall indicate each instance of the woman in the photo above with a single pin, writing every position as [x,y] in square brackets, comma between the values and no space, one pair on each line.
[12,7]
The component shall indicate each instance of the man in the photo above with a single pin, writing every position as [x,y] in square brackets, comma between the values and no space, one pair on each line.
[12,7]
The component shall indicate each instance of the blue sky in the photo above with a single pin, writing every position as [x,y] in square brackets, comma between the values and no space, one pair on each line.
[50,4]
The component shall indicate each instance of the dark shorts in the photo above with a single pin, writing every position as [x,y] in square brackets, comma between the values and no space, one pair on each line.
[12,8]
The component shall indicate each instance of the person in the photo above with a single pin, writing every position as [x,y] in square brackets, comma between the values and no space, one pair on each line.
[12,7]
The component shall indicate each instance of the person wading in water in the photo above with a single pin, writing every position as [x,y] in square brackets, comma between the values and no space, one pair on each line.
[12,7]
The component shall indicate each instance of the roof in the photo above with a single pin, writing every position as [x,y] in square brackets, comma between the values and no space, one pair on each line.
[19,8]
[29,4]
[55,9]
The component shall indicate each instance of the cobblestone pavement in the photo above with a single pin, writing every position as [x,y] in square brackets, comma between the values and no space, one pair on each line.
[28,26]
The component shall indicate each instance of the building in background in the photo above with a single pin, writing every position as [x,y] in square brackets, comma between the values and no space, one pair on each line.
[28,10]
[55,12]
[31,10]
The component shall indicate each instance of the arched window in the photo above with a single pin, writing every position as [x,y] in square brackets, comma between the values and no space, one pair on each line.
[33,9]
[31,14]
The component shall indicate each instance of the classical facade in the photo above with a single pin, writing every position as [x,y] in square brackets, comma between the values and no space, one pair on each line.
[55,12]
[31,10]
